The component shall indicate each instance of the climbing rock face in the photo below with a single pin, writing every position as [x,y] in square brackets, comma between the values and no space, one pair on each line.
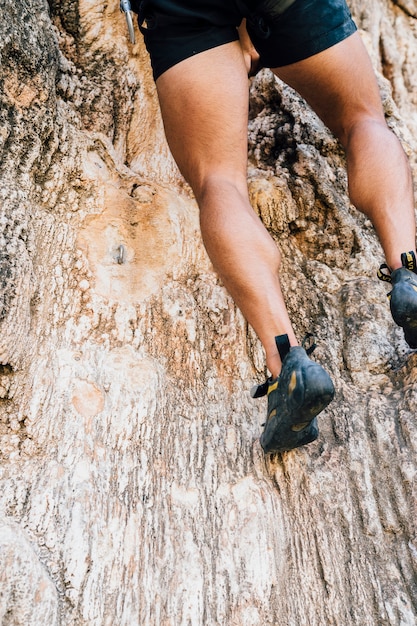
[133,488]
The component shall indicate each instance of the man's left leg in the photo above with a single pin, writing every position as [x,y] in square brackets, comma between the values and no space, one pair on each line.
[204,104]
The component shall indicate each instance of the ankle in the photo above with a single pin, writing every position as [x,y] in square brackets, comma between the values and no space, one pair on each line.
[273,357]
[274,364]
[405,259]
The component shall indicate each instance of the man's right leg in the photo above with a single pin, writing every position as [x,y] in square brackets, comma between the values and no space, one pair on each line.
[204,104]
[340,85]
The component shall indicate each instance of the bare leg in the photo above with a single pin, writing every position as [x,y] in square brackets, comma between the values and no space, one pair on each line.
[341,87]
[204,104]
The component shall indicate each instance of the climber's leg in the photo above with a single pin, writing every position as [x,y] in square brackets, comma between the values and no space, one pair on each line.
[340,85]
[204,104]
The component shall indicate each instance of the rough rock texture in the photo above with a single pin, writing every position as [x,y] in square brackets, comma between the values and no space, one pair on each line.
[133,487]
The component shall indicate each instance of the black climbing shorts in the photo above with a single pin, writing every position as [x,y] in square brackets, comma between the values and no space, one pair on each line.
[282,31]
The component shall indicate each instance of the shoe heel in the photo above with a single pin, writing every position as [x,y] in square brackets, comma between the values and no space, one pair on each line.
[403,305]
[318,392]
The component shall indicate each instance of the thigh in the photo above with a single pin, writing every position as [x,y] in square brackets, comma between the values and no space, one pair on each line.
[204,105]
[339,84]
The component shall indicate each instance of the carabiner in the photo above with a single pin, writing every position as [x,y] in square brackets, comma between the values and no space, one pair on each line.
[126,8]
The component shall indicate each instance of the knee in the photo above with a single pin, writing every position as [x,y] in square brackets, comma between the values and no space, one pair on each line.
[363,130]
[220,187]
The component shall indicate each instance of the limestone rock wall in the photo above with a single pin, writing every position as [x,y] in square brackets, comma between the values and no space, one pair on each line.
[133,489]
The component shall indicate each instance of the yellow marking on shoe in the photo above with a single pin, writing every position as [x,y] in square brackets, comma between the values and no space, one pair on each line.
[272,414]
[414,287]
[293,382]
[382,275]
[297,427]
[272,387]
[410,262]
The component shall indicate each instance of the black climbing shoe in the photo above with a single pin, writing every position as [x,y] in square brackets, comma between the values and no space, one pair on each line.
[403,296]
[300,392]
